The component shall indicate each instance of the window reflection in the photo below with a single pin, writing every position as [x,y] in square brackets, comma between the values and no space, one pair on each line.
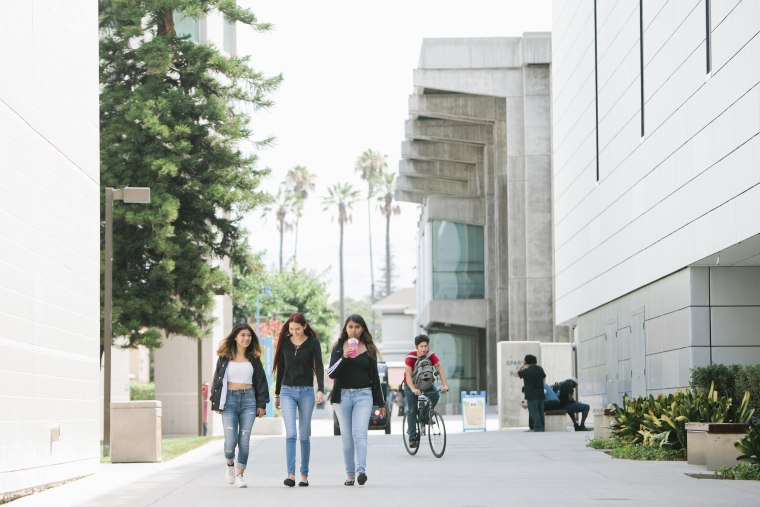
[458,261]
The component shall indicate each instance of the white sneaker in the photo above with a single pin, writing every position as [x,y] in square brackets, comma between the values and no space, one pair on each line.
[240,482]
[230,474]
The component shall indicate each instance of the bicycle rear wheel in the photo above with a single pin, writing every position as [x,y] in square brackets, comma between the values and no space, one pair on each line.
[437,434]
[405,433]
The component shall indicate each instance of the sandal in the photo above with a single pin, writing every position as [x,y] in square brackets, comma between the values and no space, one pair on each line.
[349,482]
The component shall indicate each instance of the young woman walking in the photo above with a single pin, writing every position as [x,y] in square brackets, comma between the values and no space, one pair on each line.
[353,366]
[297,360]
[240,393]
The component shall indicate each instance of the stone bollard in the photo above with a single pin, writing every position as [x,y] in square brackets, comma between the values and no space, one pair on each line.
[136,431]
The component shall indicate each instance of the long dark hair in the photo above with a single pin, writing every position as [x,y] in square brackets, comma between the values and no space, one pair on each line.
[298,318]
[228,346]
[365,337]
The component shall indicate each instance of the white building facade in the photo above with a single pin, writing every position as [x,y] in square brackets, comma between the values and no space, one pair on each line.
[655,118]
[49,243]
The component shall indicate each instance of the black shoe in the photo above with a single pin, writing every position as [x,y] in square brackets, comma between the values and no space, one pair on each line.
[349,482]
[361,479]
[303,484]
[289,482]
[414,442]
[582,427]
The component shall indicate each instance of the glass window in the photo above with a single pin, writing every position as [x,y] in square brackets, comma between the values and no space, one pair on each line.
[184,25]
[229,37]
[458,262]
[457,353]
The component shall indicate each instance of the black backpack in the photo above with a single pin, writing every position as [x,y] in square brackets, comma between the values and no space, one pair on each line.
[423,373]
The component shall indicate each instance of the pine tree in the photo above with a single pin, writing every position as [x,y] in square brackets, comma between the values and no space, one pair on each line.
[171,118]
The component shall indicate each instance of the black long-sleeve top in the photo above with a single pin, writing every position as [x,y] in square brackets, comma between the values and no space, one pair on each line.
[296,366]
[352,373]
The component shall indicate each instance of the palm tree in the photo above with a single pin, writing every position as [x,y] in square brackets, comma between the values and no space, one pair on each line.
[388,209]
[281,205]
[371,164]
[341,196]
[301,182]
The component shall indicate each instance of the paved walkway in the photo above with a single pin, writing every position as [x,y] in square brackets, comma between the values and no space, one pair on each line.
[479,469]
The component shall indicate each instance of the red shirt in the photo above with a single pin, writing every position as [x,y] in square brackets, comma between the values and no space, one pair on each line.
[411,360]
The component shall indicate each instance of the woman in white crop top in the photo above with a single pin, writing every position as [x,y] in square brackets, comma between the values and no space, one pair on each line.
[240,393]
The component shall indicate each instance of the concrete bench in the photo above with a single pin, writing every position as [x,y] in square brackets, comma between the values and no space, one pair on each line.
[556,420]
[603,418]
[712,444]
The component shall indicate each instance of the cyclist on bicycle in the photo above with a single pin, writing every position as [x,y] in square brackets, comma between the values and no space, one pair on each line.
[411,391]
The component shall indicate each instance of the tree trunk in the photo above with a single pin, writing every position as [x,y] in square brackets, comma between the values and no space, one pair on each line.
[165,25]
[341,304]
[282,235]
[387,253]
[371,266]
[295,248]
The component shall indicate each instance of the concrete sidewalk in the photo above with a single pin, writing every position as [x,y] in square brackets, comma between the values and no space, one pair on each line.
[478,469]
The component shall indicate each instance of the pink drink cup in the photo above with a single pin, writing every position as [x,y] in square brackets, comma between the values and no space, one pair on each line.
[353,347]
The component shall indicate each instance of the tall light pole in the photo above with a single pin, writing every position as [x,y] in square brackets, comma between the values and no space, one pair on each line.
[267,292]
[140,195]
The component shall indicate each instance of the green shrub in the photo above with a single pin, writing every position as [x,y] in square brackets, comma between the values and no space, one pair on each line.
[138,391]
[749,446]
[661,421]
[643,452]
[733,381]
[740,472]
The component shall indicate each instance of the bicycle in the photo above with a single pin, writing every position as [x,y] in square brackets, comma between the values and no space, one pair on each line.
[429,422]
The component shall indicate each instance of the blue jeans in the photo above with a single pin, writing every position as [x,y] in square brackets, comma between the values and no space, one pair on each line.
[354,411]
[303,399]
[238,416]
[411,407]
[536,414]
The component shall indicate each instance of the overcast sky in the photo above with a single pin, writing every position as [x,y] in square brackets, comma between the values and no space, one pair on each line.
[347,67]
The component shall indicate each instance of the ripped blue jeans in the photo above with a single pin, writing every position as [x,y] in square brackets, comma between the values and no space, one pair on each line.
[238,416]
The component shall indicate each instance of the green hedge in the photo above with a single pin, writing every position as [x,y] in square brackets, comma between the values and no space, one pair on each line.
[731,380]
[138,391]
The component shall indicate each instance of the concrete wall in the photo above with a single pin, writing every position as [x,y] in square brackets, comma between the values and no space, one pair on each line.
[49,243]
[478,151]
[688,187]
[655,335]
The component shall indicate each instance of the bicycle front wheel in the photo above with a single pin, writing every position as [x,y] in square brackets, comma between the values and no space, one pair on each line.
[437,434]
[405,432]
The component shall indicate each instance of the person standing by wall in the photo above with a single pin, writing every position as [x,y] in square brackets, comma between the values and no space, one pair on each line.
[353,367]
[240,393]
[297,360]
[533,386]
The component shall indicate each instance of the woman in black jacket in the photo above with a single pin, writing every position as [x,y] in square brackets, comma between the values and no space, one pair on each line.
[355,390]
[297,360]
[240,393]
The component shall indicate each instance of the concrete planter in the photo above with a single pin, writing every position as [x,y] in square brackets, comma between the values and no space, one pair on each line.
[136,431]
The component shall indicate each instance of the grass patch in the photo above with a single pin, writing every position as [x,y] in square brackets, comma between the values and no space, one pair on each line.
[740,472]
[603,443]
[173,447]
[647,453]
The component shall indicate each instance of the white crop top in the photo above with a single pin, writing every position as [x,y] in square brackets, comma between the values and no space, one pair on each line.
[240,373]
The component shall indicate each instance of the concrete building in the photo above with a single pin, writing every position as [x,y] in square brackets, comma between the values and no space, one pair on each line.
[477,157]
[656,115]
[49,244]
[398,312]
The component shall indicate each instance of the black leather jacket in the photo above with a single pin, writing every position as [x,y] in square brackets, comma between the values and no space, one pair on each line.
[259,381]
